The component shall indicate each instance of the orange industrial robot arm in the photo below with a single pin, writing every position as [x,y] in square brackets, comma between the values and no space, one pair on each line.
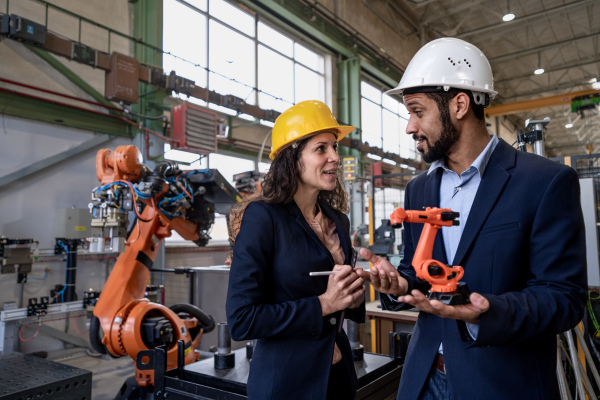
[444,279]
[169,199]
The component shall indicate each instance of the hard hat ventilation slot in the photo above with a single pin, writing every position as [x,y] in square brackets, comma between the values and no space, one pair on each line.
[459,62]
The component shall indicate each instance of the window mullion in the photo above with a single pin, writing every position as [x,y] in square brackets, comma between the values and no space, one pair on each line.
[256,88]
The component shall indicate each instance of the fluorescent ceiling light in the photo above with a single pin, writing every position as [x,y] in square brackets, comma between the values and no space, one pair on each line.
[374,157]
[388,161]
[569,125]
[539,71]
[508,17]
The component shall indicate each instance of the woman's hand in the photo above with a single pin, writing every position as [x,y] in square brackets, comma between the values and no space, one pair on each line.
[344,289]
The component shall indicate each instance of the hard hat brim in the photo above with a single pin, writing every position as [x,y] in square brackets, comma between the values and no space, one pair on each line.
[400,90]
[342,131]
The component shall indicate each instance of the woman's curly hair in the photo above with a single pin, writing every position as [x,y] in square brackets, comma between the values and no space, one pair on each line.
[280,185]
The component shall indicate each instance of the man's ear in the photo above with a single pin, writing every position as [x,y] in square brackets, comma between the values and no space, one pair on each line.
[462,102]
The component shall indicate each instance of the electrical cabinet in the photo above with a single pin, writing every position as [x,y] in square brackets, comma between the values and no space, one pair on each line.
[588,206]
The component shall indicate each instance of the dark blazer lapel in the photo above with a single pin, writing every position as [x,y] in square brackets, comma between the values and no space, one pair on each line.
[494,179]
[432,188]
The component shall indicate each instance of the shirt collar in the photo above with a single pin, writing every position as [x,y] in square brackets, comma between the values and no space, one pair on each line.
[480,162]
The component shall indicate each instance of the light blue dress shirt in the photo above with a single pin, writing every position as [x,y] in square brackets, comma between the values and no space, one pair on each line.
[457,192]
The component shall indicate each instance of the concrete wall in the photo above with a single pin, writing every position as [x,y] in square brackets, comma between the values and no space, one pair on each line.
[19,64]
[366,17]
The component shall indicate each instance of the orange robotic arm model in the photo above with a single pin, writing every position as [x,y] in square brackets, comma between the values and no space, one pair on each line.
[165,199]
[444,279]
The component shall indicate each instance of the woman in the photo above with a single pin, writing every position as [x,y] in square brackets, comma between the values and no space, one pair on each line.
[296,225]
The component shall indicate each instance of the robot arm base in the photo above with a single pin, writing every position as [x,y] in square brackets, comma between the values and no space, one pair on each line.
[455,298]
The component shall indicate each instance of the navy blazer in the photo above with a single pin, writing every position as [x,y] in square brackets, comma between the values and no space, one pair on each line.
[272,298]
[523,248]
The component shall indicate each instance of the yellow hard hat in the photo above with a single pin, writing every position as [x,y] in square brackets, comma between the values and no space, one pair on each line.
[303,119]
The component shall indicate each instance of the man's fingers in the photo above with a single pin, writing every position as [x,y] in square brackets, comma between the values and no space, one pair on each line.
[479,302]
[407,298]
[394,282]
[365,275]
[384,280]
[367,254]
[375,280]
[419,296]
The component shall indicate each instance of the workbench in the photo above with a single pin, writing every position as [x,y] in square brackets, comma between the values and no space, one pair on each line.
[378,378]
[388,321]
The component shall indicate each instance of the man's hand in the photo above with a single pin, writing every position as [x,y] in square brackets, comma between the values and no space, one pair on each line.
[465,312]
[383,276]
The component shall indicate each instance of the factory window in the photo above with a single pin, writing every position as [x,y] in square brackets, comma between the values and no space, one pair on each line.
[234,63]
[182,23]
[230,51]
[384,121]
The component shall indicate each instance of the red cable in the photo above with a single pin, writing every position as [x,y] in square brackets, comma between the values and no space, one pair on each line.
[40,326]
[34,335]
[171,141]
[60,94]
[75,326]
[62,104]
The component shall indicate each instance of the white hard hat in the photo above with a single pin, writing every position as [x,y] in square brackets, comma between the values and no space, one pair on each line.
[449,63]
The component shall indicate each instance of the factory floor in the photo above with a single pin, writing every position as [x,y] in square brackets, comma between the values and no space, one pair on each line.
[108,374]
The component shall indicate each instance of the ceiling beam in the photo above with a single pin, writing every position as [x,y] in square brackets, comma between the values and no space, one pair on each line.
[538,49]
[530,75]
[517,23]
[467,5]
[547,89]
[520,106]
[421,3]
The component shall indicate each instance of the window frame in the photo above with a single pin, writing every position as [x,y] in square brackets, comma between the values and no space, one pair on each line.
[381,88]
[325,75]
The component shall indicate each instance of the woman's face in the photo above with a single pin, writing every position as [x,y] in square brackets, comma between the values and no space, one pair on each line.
[318,163]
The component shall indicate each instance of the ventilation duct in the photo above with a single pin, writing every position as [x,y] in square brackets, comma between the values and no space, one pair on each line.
[194,129]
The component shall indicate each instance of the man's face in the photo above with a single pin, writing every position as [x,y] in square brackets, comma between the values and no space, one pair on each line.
[430,127]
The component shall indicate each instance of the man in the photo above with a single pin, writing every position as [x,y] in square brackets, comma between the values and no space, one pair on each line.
[520,241]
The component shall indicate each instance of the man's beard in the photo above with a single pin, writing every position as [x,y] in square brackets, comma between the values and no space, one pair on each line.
[448,137]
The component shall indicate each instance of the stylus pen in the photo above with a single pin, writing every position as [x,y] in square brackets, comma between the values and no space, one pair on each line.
[320,273]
